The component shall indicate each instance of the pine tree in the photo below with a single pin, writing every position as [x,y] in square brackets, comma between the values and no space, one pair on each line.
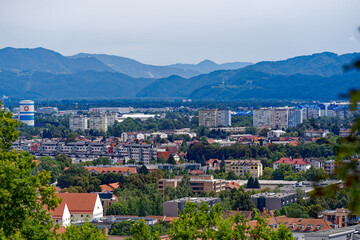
[250,182]
[256,183]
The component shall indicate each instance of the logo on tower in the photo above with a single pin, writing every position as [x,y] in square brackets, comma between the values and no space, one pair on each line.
[26,108]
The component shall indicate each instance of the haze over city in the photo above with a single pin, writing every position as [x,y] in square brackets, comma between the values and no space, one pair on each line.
[164,32]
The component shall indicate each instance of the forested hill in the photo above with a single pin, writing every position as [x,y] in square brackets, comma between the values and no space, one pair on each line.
[315,77]
[41,73]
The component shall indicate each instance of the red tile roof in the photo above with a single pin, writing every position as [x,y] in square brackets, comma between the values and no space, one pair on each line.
[294,161]
[79,202]
[103,170]
[58,212]
[303,224]
[166,155]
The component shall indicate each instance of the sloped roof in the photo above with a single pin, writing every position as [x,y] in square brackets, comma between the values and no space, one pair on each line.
[294,161]
[304,224]
[59,211]
[112,169]
[79,202]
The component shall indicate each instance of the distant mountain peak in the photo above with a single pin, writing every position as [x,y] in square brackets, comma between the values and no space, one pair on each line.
[207,62]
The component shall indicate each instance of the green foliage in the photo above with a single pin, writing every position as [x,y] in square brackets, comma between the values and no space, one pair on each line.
[294,210]
[102,161]
[64,159]
[122,228]
[184,187]
[231,176]
[282,171]
[171,160]
[85,231]
[242,121]
[141,231]
[23,191]
[51,165]
[78,176]
[316,174]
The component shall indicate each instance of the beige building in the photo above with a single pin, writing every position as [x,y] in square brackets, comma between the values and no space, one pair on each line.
[98,122]
[202,183]
[82,206]
[78,122]
[214,118]
[240,167]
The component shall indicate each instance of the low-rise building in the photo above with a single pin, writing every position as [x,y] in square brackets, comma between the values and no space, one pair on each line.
[316,133]
[199,183]
[298,163]
[342,217]
[329,166]
[117,170]
[240,167]
[272,201]
[174,207]
[61,215]
[82,206]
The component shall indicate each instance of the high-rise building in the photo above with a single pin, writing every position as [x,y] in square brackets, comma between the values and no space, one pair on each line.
[98,122]
[27,112]
[214,118]
[295,117]
[78,122]
[261,117]
[279,118]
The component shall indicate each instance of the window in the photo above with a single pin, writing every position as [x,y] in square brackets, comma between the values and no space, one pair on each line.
[82,215]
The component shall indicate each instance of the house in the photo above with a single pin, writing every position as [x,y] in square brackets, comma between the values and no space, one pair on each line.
[82,206]
[109,187]
[298,163]
[301,227]
[213,163]
[61,214]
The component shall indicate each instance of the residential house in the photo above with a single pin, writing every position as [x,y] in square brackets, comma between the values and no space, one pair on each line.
[82,206]
[298,163]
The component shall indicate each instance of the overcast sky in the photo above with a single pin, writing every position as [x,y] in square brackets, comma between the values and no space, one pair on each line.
[188,31]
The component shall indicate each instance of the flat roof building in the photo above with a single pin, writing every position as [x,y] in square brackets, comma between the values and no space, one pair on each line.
[174,207]
[272,201]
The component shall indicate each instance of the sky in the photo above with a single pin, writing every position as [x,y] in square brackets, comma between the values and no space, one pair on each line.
[164,32]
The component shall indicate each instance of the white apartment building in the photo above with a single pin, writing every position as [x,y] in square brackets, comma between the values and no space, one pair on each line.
[279,118]
[98,122]
[111,118]
[261,117]
[78,122]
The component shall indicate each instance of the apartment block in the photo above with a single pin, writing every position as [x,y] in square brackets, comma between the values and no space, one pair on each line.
[261,117]
[279,118]
[139,152]
[78,122]
[240,167]
[202,183]
[295,117]
[98,122]
[214,118]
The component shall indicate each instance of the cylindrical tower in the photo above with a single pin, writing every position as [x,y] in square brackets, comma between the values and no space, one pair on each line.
[27,112]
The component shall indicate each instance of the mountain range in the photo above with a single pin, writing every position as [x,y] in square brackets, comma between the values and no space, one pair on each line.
[41,73]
